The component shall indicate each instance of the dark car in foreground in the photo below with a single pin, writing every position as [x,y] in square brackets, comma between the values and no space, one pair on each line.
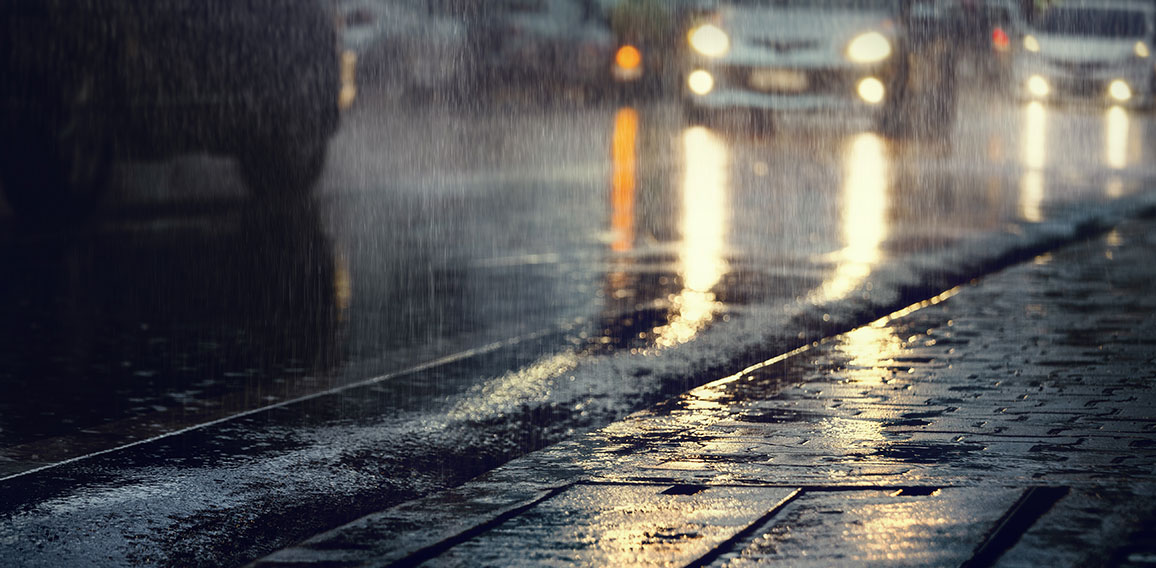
[86,82]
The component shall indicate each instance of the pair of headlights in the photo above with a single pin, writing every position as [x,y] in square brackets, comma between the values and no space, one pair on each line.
[871,47]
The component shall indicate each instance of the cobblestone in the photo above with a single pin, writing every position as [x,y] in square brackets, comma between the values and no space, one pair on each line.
[911,441]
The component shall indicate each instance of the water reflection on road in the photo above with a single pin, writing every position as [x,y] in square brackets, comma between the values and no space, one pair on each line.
[1035,158]
[863,215]
[621,229]
[705,226]
[120,337]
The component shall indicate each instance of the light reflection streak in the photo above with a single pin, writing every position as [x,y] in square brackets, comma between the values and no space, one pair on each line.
[705,224]
[1032,196]
[1035,136]
[624,183]
[1116,126]
[342,286]
[869,350]
[865,201]
[515,389]
[1114,188]
[1035,156]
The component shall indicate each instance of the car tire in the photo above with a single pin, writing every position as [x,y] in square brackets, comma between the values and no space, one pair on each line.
[55,172]
[283,168]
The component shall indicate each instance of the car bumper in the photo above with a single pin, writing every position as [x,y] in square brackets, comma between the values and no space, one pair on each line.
[721,99]
[791,89]
[1087,87]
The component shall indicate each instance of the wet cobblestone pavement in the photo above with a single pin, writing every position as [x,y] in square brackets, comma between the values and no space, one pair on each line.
[1009,422]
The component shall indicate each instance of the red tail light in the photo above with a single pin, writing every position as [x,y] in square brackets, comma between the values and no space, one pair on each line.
[1000,40]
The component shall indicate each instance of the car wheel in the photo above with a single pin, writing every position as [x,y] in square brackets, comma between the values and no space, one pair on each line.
[56,171]
[283,168]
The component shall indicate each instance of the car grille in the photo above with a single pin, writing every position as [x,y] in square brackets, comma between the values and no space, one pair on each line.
[1080,87]
[1081,67]
[783,46]
[818,81]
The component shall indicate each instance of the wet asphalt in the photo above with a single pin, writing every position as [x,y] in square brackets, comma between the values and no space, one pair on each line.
[471,284]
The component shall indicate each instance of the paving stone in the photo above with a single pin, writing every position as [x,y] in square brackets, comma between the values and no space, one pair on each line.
[619,525]
[1041,376]
[875,528]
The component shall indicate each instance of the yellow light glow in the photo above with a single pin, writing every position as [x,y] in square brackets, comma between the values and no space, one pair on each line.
[710,40]
[342,286]
[1034,151]
[1141,50]
[1038,86]
[1120,90]
[1032,196]
[871,47]
[1114,188]
[705,224]
[348,90]
[628,57]
[624,180]
[1116,127]
[700,82]
[1034,146]
[870,351]
[1031,44]
[863,215]
[872,90]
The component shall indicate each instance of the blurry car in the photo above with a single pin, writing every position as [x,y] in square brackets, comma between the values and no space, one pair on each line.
[415,45]
[1092,51]
[1005,24]
[648,35]
[84,82]
[546,42]
[889,59]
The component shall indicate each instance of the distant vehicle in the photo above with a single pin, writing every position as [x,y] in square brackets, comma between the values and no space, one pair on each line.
[1005,23]
[545,42]
[890,59]
[414,45]
[650,44]
[84,82]
[1092,51]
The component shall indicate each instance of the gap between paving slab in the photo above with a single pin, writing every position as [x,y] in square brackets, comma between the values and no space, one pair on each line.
[428,530]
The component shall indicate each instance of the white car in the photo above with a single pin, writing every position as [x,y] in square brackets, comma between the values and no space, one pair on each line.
[1092,51]
[414,45]
[884,58]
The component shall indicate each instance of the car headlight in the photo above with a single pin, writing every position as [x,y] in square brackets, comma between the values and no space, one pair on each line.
[1141,50]
[1031,44]
[710,40]
[871,47]
[1120,90]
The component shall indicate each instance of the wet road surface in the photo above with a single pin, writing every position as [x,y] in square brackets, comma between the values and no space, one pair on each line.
[467,287]
[1006,423]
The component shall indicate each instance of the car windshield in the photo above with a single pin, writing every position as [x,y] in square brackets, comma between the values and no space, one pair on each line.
[1094,22]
